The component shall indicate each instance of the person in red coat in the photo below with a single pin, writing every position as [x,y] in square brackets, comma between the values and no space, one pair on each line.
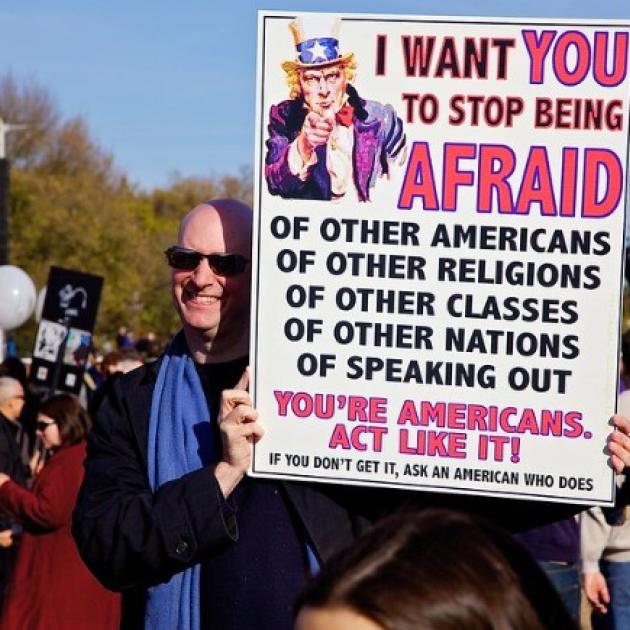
[50,587]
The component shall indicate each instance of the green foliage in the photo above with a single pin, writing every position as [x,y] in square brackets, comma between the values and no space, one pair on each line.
[70,207]
[186,192]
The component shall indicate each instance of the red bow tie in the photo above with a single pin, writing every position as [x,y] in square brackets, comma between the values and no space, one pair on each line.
[344,115]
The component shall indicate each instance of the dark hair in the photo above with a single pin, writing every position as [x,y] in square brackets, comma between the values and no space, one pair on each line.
[72,419]
[439,570]
[111,358]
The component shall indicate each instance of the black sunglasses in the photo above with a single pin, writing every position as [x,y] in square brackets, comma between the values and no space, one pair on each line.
[42,426]
[221,264]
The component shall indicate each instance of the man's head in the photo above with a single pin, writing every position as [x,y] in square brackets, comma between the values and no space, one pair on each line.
[323,89]
[211,294]
[11,398]
[320,72]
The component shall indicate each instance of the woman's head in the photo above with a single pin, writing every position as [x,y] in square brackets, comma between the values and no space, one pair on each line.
[434,570]
[62,421]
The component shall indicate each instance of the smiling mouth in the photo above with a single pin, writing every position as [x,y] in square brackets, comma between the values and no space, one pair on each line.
[199,298]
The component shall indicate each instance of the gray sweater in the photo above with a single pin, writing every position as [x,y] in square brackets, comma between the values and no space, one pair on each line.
[599,540]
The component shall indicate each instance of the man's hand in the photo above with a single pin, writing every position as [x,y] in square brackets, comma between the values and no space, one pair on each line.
[316,131]
[596,590]
[239,430]
[6,538]
[619,443]
[4,478]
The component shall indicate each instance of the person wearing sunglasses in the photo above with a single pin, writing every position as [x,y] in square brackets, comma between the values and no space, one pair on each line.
[12,399]
[11,405]
[166,514]
[51,588]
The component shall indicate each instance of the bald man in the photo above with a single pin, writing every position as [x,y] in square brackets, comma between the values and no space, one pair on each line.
[11,404]
[166,514]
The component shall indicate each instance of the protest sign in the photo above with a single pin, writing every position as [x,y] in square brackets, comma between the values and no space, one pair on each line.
[64,334]
[438,252]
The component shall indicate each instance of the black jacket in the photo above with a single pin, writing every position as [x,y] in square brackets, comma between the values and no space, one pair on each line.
[10,459]
[132,538]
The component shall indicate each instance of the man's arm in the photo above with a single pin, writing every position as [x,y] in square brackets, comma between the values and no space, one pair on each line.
[129,536]
[594,533]
[394,140]
[280,179]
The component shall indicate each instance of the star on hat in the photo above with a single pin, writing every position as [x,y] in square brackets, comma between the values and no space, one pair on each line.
[316,42]
[319,53]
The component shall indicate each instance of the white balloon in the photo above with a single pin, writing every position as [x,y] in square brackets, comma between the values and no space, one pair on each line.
[17,297]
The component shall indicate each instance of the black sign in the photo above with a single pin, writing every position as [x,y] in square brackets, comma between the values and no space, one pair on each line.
[65,331]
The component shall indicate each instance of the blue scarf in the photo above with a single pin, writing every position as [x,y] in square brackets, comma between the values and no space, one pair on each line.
[180,441]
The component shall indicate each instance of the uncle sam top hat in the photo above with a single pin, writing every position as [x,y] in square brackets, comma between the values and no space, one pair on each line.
[316,38]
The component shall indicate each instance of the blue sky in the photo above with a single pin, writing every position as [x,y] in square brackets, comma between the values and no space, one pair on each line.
[169,86]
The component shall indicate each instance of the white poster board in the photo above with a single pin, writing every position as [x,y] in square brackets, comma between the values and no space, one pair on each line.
[452,324]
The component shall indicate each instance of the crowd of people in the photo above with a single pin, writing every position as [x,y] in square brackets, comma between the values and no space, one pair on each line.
[43,581]
[161,510]
[129,505]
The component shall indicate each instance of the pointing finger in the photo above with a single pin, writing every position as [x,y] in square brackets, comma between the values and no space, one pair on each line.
[243,381]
